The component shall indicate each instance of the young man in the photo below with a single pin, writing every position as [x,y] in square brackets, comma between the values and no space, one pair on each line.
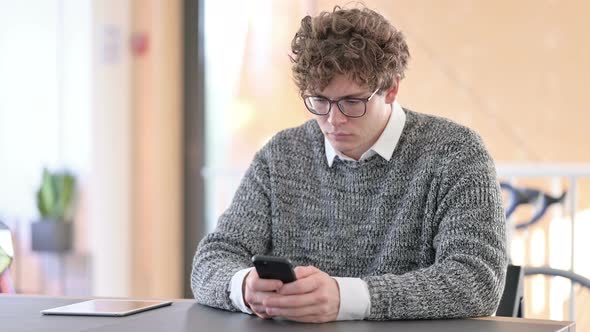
[388,213]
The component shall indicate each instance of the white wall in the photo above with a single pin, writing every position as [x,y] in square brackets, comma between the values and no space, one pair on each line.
[29,114]
[45,89]
[65,103]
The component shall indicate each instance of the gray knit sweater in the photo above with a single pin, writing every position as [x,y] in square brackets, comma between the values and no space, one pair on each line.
[425,230]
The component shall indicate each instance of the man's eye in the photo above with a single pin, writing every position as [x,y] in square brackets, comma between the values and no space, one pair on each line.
[351,102]
[317,100]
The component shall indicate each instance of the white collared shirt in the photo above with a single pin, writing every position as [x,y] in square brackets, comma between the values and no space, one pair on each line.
[355,299]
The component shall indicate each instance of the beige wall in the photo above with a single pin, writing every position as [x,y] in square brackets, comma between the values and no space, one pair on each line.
[512,70]
[157,142]
[135,205]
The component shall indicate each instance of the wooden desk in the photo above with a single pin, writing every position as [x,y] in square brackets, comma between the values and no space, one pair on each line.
[22,313]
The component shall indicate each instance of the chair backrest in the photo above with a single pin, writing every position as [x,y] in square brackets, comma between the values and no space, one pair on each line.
[512,301]
[6,256]
[6,283]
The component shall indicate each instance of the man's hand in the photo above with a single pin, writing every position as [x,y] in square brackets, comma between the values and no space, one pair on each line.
[256,290]
[313,298]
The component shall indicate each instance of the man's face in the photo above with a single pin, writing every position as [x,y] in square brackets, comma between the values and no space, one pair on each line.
[354,136]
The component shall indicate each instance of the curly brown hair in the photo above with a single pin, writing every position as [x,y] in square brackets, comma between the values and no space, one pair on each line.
[359,43]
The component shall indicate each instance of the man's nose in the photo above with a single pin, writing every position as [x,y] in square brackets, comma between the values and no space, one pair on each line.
[336,117]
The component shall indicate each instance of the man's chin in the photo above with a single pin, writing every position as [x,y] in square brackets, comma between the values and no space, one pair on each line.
[346,150]
[340,146]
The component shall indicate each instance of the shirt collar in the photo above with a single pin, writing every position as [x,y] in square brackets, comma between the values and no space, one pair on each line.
[385,144]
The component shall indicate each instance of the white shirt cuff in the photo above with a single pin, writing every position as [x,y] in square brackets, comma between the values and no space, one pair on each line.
[355,299]
[235,293]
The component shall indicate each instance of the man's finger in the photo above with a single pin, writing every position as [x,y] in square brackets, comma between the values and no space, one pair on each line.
[290,301]
[304,271]
[260,311]
[257,298]
[263,285]
[300,286]
[257,308]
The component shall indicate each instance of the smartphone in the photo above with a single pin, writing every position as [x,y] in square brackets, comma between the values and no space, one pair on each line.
[271,267]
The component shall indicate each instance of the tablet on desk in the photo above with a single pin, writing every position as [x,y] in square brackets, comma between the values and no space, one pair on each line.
[103,307]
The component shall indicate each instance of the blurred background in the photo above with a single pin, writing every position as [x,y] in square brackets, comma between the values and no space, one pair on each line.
[152,110]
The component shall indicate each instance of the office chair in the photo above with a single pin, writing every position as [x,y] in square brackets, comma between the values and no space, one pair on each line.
[540,200]
[511,304]
[6,257]
[512,301]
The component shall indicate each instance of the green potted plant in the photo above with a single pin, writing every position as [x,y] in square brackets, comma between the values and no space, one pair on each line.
[55,201]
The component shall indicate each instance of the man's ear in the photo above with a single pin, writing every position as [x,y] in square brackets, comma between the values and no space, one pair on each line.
[391,93]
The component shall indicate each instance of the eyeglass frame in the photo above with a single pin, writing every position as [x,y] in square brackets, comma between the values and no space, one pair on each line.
[337,102]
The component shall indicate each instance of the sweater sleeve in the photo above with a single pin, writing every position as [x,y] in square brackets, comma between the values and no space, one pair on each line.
[242,231]
[467,277]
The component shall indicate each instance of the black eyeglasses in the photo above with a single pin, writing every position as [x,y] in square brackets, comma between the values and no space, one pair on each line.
[351,107]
